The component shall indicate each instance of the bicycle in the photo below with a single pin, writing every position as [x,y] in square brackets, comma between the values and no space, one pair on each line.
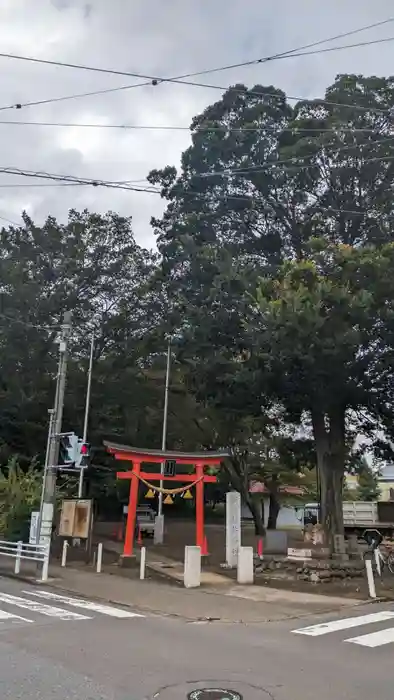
[380,558]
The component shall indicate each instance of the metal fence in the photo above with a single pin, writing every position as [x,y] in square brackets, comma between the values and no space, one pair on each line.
[31,552]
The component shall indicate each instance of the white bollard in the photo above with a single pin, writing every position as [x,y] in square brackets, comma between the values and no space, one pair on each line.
[45,565]
[370,579]
[142,563]
[158,533]
[378,562]
[245,570]
[18,557]
[99,557]
[64,553]
[192,570]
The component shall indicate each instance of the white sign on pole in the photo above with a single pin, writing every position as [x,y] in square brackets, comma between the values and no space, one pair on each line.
[46,528]
[33,526]
[233,527]
[46,524]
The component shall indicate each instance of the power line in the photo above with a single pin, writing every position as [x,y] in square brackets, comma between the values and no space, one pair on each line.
[9,221]
[241,91]
[154,127]
[235,197]
[291,52]
[13,185]
[262,167]
[12,319]
[50,100]
[152,80]
[74,180]
[226,172]
[156,190]
[34,184]
[285,54]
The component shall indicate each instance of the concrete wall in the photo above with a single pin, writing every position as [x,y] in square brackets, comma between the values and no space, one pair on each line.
[287,515]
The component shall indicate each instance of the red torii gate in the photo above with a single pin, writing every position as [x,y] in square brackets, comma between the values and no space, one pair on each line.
[138,456]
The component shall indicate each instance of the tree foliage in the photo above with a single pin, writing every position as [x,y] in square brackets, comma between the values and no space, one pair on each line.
[302,198]
[368,482]
[92,266]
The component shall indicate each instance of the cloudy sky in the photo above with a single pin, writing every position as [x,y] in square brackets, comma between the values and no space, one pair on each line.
[153,37]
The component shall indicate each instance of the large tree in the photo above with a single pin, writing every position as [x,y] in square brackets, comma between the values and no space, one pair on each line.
[92,266]
[260,181]
[322,344]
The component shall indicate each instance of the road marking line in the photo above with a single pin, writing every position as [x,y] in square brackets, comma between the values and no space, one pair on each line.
[347,623]
[375,639]
[14,618]
[34,606]
[85,604]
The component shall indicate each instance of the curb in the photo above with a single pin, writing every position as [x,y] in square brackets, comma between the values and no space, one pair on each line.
[56,582]
[186,618]
[24,578]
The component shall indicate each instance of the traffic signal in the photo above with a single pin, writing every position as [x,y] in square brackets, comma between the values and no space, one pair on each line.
[170,467]
[83,457]
[68,449]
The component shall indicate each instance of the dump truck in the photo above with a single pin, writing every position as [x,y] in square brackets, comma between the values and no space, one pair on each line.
[359,516]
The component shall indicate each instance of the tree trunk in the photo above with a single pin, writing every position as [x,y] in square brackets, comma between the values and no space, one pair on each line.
[274,509]
[257,510]
[274,505]
[238,471]
[329,435]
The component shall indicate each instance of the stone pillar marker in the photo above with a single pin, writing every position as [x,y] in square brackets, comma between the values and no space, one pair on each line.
[233,527]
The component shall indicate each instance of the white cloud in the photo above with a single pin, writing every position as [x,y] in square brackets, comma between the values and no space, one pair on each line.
[155,38]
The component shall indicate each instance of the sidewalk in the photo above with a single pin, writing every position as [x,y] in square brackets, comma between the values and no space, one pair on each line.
[248,604]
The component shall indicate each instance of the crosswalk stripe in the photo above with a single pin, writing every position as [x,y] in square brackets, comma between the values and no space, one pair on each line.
[14,618]
[375,639]
[85,604]
[35,606]
[347,623]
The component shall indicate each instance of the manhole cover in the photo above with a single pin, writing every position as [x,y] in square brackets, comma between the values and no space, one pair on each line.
[214,694]
[231,688]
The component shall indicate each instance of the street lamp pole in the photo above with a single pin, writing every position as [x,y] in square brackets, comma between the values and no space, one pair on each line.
[159,524]
[87,408]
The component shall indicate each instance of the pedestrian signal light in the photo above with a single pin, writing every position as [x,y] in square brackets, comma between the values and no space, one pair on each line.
[68,449]
[83,459]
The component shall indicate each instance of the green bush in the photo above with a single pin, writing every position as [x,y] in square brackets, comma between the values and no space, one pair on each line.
[20,493]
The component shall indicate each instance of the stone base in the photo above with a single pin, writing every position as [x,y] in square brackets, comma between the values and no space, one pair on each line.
[275,542]
[127,562]
[340,556]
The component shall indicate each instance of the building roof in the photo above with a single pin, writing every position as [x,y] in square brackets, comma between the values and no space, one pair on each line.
[259,487]
[387,473]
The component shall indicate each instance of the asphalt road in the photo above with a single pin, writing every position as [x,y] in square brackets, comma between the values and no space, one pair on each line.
[63,648]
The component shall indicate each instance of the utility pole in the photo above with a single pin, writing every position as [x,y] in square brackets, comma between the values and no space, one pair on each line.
[159,524]
[53,449]
[49,440]
[87,407]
